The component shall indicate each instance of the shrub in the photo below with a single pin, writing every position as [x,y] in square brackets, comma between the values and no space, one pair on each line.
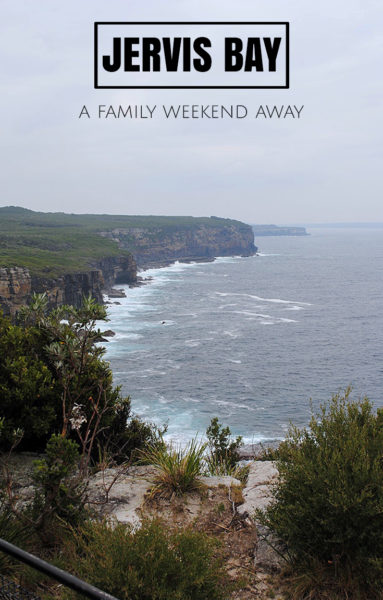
[30,398]
[223,455]
[178,469]
[131,437]
[11,530]
[148,564]
[59,493]
[329,500]
[53,378]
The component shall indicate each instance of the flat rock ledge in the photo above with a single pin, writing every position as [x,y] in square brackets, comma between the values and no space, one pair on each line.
[120,493]
[269,551]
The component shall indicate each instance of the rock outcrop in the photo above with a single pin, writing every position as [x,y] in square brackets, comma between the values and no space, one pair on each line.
[163,241]
[15,288]
[267,230]
[257,494]
[17,284]
[160,245]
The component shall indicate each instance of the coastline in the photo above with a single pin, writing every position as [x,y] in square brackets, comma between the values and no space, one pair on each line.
[253,445]
[115,292]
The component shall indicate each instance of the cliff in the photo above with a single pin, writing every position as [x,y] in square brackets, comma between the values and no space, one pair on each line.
[17,284]
[68,256]
[266,230]
[161,245]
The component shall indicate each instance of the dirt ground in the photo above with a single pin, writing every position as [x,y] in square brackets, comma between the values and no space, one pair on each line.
[213,512]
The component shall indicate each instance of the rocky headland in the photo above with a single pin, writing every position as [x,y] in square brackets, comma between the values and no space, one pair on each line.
[267,230]
[69,256]
[17,284]
[204,241]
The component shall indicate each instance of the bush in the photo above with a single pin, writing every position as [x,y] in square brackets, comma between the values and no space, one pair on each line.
[30,398]
[223,455]
[53,379]
[148,564]
[178,469]
[12,531]
[131,437]
[329,500]
[59,493]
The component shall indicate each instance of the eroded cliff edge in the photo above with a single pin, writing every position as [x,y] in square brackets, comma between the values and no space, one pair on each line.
[17,284]
[69,256]
[161,245]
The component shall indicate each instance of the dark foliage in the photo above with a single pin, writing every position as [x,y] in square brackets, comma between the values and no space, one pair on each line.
[148,564]
[329,500]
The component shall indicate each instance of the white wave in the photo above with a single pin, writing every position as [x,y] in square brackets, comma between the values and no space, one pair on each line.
[252,314]
[192,343]
[125,336]
[258,438]
[176,267]
[227,259]
[273,300]
[232,334]
[266,254]
[190,399]
[227,305]
[236,362]
[235,405]
[149,372]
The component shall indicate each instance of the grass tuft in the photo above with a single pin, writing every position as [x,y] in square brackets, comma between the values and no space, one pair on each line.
[178,468]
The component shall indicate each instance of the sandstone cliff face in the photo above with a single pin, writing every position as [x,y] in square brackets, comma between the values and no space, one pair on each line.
[17,284]
[159,246]
[15,287]
[148,246]
[122,269]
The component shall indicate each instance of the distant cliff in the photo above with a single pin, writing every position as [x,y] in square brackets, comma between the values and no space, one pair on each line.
[161,245]
[263,230]
[68,256]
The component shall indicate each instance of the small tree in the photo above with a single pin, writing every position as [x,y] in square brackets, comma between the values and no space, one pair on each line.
[53,378]
[90,404]
[60,490]
[223,448]
[328,504]
[30,398]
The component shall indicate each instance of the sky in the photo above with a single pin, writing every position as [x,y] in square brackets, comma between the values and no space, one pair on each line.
[324,167]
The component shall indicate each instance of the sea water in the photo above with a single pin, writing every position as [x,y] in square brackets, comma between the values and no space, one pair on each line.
[252,340]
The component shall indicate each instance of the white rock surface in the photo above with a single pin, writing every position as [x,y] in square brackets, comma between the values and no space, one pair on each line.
[127,491]
[257,491]
[269,550]
[126,494]
[215,481]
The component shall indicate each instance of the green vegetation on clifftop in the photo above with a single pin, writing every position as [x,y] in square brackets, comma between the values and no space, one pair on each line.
[51,244]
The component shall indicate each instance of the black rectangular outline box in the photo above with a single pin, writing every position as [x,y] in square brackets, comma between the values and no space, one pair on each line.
[192,87]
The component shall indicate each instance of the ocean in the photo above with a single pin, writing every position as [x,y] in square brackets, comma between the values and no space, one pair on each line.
[259,341]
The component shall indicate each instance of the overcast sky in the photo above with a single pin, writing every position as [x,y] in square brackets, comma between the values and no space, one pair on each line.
[325,167]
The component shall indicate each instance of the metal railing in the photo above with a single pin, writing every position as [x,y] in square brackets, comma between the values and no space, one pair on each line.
[12,591]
